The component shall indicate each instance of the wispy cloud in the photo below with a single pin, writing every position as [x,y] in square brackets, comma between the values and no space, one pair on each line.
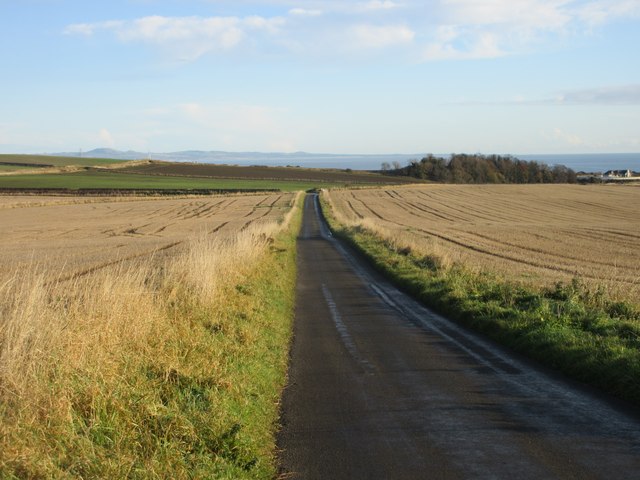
[453,43]
[374,36]
[618,95]
[89,29]
[380,5]
[105,138]
[228,124]
[241,117]
[569,138]
[603,11]
[185,37]
[495,28]
[4,135]
[305,12]
[429,30]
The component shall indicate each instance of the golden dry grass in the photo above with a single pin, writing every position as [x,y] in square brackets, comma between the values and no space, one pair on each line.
[86,364]
[537,234]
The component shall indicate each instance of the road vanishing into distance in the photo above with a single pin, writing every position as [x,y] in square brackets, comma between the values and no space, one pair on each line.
[382,388]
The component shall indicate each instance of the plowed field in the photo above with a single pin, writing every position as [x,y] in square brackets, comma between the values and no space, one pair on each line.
[204,170]
[66,236]
[533,233]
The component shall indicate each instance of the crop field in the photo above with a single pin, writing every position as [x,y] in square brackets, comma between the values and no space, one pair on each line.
[536,234]
[5,167]
[71,235]
[53,161]
[316,175]
[111,179]
[44,172]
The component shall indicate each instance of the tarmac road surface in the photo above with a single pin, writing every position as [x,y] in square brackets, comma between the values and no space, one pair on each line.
[380,387]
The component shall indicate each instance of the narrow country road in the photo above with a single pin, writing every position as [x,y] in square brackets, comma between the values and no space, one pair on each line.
[380,387]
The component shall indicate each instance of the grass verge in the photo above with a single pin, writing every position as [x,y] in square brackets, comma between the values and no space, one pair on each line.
[568,327]
[162,369]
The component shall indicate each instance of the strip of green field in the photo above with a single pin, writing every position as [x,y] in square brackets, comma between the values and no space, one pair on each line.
[38,160]
[124,181]
[570,328]
[13,168]
[263,172]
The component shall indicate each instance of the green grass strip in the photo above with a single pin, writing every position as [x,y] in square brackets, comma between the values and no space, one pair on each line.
[55,161]
[569,327]
[123,180]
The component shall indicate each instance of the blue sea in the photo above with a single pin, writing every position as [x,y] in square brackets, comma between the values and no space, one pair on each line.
[591,162]
[588,162]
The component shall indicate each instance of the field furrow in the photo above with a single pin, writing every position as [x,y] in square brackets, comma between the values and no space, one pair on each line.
[530,233]
[74,237]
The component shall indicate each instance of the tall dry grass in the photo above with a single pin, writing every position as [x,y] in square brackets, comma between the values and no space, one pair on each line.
[85,364]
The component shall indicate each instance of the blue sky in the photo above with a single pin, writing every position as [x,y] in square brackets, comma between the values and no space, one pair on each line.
[381,76]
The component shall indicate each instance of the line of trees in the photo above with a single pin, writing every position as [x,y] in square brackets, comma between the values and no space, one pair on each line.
[463,168]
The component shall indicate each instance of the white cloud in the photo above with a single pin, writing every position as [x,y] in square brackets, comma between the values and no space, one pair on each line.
[374,36]
[527,14]
[380,5]
[88,29]
[471,29]
[186,38]
[105,138]
[452,44]
[234,126]
[4,136]
[428,30]
[231,118]
[616,95]
[569,138]
[80,29]
[286,146]
[603,11]
[195,111]
[303,12]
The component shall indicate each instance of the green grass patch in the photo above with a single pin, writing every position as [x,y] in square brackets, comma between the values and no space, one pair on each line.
[568,327]
[13,168]
[99,179]
[318,176]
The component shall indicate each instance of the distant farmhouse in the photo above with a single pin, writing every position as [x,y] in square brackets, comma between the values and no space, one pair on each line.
[617,174]
[611,176]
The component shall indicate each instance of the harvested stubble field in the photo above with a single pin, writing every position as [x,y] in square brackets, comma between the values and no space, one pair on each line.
[159,366]
[536,234]
[73,235]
